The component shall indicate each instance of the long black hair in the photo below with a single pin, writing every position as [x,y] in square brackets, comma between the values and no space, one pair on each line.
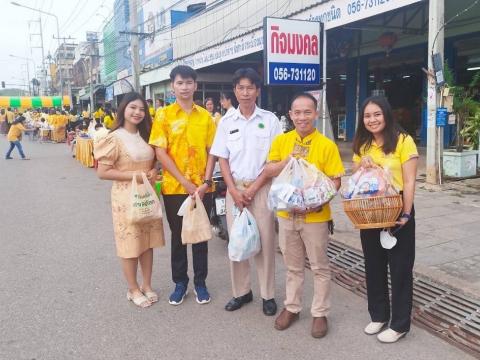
[145,125]
[391,132]
[228,95]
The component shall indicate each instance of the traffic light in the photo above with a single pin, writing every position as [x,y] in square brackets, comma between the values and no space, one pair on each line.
[3,84]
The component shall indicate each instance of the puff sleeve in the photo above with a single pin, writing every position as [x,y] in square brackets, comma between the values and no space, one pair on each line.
[106,150]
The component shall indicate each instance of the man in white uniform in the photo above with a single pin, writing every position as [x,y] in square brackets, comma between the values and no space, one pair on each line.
[242,143]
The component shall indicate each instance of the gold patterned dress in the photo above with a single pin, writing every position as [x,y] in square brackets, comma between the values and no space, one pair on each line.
[128,152]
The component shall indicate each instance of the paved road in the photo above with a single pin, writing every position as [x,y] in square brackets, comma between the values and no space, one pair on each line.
[63,295]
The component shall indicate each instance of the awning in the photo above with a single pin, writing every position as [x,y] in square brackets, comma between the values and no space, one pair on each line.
[27,102]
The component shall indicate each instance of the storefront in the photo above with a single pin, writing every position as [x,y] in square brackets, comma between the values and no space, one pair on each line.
[379,48]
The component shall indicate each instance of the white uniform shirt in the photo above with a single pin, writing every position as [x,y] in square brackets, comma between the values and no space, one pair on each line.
[246,143]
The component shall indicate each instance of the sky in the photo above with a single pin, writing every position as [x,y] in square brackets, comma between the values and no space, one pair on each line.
[75,18]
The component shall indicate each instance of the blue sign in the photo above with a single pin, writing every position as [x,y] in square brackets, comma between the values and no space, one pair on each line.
[442,117]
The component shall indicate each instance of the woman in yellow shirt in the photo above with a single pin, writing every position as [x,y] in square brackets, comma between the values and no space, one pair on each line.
[379,141]
[14,136]
[210,106]
[109,120]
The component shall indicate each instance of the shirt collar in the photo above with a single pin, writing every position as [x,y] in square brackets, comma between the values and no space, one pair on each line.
[177,107]
[239,115]
[306,138]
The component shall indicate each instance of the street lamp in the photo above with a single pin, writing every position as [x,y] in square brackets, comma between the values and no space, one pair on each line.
[58,36]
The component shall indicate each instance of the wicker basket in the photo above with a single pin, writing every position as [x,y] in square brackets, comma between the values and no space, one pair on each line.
[374,212]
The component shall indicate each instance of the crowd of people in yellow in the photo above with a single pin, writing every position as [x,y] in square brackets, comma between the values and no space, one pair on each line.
[53,125]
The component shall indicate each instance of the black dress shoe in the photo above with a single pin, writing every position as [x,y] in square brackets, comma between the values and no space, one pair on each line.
[237,302]
[269,307]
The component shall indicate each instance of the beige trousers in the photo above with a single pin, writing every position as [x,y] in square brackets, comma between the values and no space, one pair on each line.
[265,259]
[297,239]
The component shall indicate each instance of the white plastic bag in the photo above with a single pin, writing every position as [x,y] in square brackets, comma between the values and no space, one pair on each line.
[185,205]
[244,237]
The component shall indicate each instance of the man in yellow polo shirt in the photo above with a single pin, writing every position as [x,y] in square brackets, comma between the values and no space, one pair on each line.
[305,232]
[182,135]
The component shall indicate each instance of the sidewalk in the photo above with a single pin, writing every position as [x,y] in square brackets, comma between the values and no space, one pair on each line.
[448,229]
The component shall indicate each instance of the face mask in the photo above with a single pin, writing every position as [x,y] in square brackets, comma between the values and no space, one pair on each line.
[387,240]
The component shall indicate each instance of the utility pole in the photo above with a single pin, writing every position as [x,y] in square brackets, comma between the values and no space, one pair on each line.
[436,14]
[28,79]
[43,79]
[58,32]
[134,45]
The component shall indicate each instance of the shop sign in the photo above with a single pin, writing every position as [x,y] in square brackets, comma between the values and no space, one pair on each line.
[245,45]
[292,51]
[442,116]
[340,12]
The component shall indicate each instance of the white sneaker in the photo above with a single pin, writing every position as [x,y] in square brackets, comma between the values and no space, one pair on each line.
[373,328]
[390,336]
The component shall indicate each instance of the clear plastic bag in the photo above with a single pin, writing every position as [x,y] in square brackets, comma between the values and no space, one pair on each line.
[318,188]
[300,186]
[282,188]
[367,182]
[244,240]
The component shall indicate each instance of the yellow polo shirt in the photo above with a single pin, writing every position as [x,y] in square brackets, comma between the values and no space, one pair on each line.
[99,114]
[15,132]
[405,150]
[318,150]
[109,122]
[10,116]
[157,113]
[187,139]
[151,110]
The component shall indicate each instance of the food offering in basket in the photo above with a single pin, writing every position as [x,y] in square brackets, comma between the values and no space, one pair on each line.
[300,186]
[370,199]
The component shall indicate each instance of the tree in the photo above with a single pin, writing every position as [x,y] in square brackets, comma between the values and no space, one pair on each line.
[464,105]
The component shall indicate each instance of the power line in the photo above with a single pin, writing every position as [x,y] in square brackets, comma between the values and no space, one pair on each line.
[66,22]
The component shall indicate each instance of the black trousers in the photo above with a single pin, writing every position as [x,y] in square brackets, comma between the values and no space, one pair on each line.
[179,261]
[400,259]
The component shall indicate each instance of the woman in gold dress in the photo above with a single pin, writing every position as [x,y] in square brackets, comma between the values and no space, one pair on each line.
[123,153]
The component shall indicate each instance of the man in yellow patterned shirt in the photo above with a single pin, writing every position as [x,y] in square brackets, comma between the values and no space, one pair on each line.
[305,233]
[182,135]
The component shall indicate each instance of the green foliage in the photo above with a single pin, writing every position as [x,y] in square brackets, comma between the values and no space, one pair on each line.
[471,129]
[466,109]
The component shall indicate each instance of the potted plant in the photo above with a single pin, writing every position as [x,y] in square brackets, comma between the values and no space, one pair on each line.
[463,162]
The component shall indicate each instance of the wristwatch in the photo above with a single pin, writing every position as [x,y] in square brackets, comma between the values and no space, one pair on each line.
[208,182]
[406,216]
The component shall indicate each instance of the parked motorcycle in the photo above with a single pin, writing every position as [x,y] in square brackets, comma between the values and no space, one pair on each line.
[218,217]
